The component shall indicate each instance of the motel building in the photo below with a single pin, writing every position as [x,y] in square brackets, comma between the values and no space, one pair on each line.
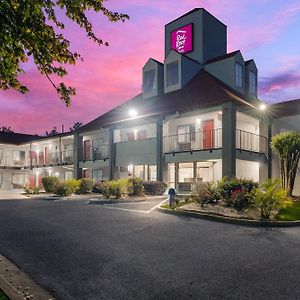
[197,119]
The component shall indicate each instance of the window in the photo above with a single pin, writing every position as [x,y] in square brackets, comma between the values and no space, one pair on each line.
[97,149]
[172,73]
[68,175]
[18,157]
[152,172]
[183,134]
[97,175]
[18,180]
[149,81]
[186,172]
[252,83]
[238,75]
[142,135]
[1,179]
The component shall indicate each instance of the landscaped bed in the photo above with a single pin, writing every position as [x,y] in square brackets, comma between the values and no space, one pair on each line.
[239,200]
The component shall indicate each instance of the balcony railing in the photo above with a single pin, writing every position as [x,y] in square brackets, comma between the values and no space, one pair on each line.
[53,158]
[212,139]
[251,142]
[95,153]
[201,140]
[9,161]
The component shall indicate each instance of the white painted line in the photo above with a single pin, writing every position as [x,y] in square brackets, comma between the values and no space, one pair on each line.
[159,204]
[127,209]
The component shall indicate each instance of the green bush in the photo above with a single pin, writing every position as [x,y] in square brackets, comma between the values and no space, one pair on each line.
[135,186]
[236,192]
[50,183]
[154,187]
[85,186]
[99,187]
[73,184]
[205,193]
[270,196]
[63,189]
[115,188]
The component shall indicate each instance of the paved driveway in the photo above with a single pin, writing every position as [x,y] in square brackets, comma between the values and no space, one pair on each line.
[96,252]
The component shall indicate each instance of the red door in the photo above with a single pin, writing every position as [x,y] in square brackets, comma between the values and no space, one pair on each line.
[41,158]
[87,150]
[31,180]
[86,174]
[208,134]
[33,157]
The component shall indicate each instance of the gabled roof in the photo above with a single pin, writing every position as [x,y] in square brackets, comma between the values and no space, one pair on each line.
[285,109]
[202,91]
[16,138]
[222,57]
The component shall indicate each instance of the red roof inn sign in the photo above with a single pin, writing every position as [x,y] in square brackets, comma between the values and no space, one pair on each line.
[182,39]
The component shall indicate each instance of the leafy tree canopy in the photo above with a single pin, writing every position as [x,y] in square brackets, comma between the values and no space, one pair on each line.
[30,28]
[52,132]
[287,146]
[76,126]
[6,129]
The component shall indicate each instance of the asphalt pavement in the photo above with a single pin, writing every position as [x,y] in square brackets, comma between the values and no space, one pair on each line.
[131,251]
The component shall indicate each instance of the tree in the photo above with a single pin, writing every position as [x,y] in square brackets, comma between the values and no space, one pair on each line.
[76,126]
[6,129]
[29,28]
[287,146]
[52,132]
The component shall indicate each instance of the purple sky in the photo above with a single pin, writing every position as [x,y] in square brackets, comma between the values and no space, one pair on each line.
[265,30]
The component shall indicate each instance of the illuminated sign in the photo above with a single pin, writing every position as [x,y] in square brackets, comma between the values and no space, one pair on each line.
[182,39]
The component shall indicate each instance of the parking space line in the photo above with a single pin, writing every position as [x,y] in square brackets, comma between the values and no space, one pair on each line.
[136,210]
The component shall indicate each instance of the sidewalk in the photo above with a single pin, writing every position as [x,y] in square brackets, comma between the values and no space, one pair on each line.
[12,195]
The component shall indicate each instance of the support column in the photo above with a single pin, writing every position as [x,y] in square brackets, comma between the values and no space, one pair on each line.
[228,139]
[77,155]
[270,154]
[111,152]
[159,150]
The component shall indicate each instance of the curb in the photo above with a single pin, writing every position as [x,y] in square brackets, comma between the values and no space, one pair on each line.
[17,285]
[230,220]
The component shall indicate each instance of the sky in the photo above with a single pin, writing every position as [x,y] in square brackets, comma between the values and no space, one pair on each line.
[265,30]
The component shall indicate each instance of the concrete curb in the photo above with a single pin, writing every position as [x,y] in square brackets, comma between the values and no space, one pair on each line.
[17,285]
[245,222]
[128,200]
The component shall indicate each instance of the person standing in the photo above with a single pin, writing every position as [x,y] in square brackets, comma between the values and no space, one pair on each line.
[172,194]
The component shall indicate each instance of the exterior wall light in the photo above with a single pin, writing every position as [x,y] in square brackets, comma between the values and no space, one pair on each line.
[132,113]
[263,106]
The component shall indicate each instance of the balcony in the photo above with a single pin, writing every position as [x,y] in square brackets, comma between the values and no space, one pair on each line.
[52,159]
[212,139]
[9,161]
[201,140]
[251,142]
[95,153]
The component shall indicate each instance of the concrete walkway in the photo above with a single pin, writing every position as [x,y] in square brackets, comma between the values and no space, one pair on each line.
[12,194]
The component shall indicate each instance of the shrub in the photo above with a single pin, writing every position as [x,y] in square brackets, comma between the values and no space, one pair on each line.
[50,183]
[154,187]
[113,189]
[85,186]
[73,184]
[205,193]
[99,187]
[236,192]
[36,190]
[27,189]
[63,190]
[135,186]
[270,196]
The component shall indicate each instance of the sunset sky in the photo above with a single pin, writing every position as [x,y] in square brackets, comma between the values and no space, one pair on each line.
[266,30]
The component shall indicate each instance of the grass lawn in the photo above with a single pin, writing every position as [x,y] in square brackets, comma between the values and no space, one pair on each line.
[3,296]
[181,203]
[291,213]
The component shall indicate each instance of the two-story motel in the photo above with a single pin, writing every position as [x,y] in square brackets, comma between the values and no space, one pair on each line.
[197,119]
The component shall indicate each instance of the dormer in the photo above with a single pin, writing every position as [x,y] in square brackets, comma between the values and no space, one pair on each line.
[251,78]
[178,71]
[153,78]
[230,69]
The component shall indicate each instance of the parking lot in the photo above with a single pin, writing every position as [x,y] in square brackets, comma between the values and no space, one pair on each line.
[131,251]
